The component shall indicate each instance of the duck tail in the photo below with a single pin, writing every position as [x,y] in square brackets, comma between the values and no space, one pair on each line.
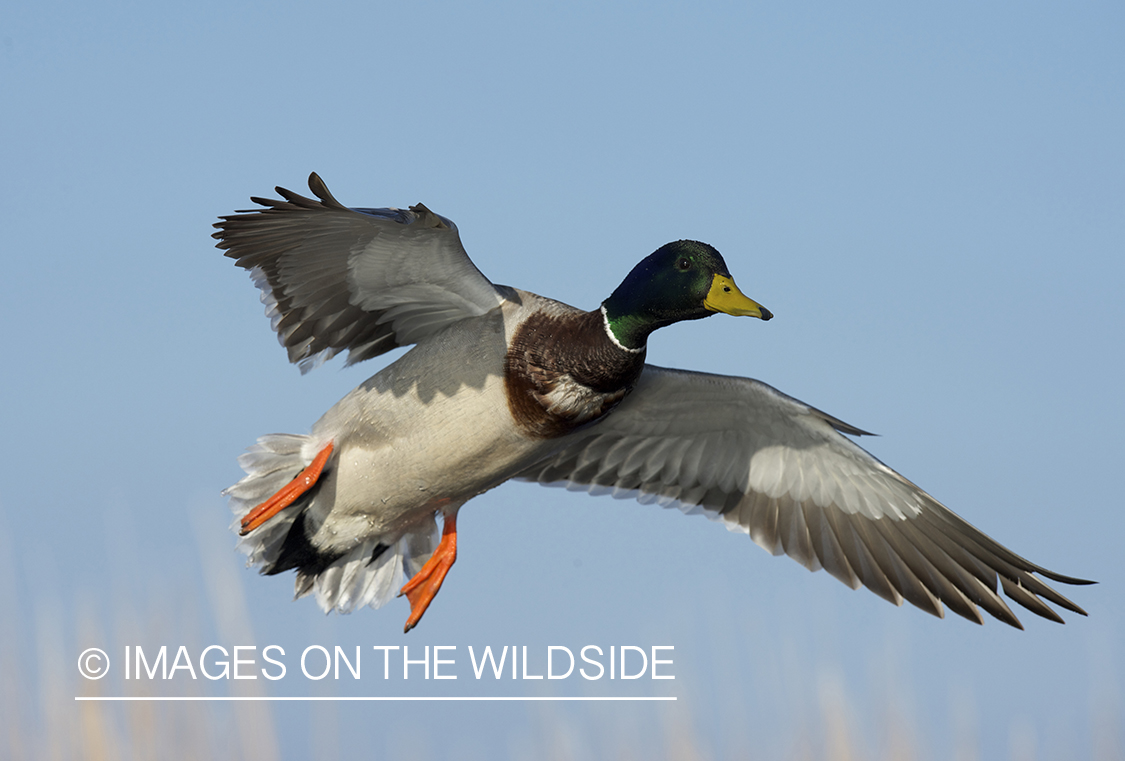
[369,573]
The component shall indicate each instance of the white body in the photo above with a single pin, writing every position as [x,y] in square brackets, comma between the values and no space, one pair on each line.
[409,443]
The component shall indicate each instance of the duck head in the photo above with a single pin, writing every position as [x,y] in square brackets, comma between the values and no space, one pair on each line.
[685,280]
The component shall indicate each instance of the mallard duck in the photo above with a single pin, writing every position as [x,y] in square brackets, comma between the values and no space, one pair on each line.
[503,384]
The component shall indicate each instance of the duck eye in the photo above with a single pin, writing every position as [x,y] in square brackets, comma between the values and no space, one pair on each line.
[683,265]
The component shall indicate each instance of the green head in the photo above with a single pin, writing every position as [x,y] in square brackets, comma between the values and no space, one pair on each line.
[685,280]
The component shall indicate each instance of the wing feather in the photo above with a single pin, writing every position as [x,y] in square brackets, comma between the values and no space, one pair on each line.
[364,281]
[764,463]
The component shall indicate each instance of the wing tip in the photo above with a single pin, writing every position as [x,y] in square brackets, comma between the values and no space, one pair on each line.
[321,191]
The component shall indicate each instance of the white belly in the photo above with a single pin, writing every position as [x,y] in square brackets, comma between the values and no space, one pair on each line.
[412,440]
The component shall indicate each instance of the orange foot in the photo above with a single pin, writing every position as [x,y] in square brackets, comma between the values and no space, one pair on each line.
[287,494]
[423,588]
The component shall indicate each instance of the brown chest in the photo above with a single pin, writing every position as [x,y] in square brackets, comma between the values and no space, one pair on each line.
[562,372]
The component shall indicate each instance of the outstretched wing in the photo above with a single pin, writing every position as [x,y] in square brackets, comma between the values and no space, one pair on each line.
[361,280]
[764,463]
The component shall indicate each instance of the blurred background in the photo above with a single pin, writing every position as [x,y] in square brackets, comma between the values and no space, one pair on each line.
[930,200]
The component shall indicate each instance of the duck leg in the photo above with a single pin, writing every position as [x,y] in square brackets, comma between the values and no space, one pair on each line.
[422,589]
[287,494]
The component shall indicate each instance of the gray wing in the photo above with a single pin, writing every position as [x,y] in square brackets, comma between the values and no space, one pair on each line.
[361,280]
[766,464]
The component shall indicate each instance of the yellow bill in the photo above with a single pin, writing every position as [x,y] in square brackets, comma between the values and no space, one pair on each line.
[725,297]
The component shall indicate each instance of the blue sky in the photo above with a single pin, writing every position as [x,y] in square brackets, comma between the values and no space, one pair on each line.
[930,200]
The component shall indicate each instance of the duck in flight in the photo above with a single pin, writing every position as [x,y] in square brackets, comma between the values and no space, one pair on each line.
[503,384]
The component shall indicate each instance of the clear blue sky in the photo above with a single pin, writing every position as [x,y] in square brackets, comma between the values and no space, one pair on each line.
[930,200]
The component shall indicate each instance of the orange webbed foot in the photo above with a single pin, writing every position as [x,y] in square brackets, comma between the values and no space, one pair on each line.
[287,494]
[422,589]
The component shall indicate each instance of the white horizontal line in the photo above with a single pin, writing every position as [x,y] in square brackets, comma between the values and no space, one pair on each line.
[379,697]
